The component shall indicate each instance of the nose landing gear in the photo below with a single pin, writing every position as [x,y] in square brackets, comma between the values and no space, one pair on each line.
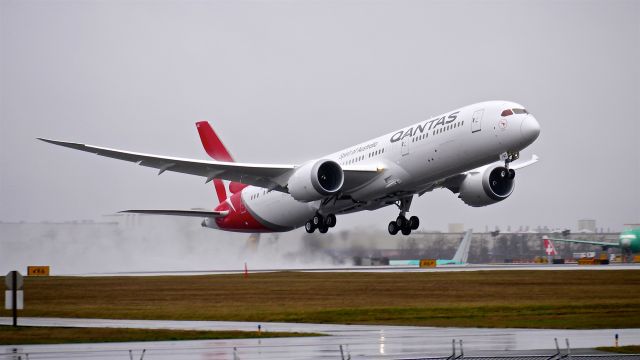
[508,157]
[402,224]
[322,223]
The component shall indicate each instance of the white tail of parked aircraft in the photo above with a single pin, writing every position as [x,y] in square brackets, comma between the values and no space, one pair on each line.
[462,254]
[470,151]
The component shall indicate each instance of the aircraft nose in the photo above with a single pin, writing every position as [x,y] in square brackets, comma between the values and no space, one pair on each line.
[529,129]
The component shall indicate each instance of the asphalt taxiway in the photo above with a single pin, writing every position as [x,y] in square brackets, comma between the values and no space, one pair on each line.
[360,341]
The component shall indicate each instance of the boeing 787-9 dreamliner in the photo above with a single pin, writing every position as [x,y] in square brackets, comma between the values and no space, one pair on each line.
[468,151]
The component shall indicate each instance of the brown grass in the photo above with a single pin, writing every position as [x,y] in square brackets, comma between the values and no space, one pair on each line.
[59,335]
[630,349]
[550,299]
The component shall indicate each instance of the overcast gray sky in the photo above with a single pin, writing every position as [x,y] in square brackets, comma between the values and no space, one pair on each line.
[286,81]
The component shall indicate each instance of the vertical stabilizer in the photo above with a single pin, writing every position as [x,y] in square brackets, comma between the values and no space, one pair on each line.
[462,254]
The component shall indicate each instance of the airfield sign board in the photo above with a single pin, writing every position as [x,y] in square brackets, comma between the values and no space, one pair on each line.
[19,281]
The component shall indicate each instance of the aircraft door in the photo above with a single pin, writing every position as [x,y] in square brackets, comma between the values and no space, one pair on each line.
[404,147]
[476,121]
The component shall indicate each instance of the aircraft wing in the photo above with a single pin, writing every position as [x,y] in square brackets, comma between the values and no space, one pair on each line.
[521,164]
[190,213]
[270,176]
[596,243]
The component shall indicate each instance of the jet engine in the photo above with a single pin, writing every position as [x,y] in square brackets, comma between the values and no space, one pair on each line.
[316,180]
[495,183]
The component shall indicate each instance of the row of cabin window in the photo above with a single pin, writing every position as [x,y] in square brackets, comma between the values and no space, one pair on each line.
[375,153]
[448,127]
[438,131]
[255,196]
[359,158]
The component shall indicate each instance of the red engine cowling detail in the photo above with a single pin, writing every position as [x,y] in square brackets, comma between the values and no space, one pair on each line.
[239,218]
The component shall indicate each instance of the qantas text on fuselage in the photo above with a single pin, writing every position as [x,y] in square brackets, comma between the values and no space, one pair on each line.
[471,151]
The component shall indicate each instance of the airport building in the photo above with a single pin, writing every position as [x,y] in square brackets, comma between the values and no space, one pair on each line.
[587,225]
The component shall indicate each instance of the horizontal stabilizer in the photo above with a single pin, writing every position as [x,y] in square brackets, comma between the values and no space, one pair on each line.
[191,213]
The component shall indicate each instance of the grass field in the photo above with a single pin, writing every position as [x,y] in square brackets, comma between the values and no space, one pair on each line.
[531,299]
[631,349]
[58,335]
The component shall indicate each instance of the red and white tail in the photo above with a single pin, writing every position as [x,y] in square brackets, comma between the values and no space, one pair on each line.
[216,149]
[549,249]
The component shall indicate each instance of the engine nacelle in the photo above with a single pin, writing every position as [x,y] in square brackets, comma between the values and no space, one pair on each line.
[316,180]
[495,183]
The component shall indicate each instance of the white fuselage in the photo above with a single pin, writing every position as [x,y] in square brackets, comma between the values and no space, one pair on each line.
[413,159]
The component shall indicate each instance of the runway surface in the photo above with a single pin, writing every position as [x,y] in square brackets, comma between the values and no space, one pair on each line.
[445,268]
[360,341]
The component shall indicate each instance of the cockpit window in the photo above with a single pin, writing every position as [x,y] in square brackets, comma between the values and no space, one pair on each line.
[507,112]
[520,111]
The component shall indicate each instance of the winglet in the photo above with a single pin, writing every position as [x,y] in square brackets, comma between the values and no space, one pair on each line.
[216,149]
[212,143]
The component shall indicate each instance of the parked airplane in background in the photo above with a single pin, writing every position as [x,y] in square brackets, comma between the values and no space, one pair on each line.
[462,254]
[468,151]
[460,258]
[628,242]
[549,248]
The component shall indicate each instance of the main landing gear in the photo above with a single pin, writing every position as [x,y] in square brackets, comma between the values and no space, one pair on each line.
[322,223]
[403,224]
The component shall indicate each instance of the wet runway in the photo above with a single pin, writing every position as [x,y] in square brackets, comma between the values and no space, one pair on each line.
[360,341]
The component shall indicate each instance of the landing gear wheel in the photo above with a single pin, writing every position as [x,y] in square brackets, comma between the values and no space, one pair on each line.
[330,220]
[323,229]
[401,221]
[309,227]
[393,228]
[414,222]
[406,230]
[317,220]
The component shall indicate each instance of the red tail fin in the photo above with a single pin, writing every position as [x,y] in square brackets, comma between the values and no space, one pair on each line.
[216,149]
[549,249]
